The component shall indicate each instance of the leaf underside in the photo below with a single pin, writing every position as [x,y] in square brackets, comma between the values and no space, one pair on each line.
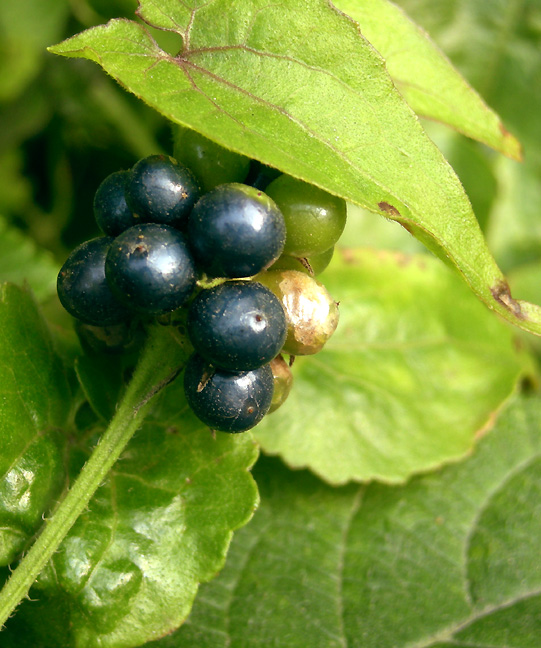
[295,85]
[425,77]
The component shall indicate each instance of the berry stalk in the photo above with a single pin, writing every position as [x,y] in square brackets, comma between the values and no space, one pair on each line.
[161,360]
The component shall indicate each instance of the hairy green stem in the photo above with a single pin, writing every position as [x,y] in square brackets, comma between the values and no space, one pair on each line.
[158,365]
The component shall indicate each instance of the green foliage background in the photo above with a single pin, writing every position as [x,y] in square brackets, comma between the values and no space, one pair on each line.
[400,506]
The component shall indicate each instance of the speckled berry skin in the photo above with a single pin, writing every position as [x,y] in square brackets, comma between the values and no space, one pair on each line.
[236,231]
[227,402]
[150,269]
[160,190]
[237,326]
[111,211]
[83,289]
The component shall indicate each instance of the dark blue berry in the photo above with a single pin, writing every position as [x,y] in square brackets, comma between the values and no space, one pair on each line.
[236,231]
[150,269]
[111,211]
[238,325]
[160,190]
[83,289]
[225,401]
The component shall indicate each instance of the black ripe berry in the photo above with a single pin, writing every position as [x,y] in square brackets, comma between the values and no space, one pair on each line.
[160,190]
[111,211]
[236,231]
[228,402]
[238,325]
[150,269]
[83,289]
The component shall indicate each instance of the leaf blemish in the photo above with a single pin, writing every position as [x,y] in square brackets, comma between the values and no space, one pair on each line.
[502,294]
[389,209]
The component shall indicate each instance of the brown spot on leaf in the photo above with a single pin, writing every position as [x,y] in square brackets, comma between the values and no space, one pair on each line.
[389,209]
[502,294]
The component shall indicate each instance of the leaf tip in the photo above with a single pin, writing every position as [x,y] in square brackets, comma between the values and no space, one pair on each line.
[512,146]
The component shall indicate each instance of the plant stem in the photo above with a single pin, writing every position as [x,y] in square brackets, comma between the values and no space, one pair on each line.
[159,364]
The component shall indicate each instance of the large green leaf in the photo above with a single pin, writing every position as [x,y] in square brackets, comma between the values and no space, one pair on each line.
[21,260]
[415,370]
[425,77]
[254,78]
[451,559]
[129,569]
[34,405]
[496,46]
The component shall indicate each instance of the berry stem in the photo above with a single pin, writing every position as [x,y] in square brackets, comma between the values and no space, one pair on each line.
[160,362]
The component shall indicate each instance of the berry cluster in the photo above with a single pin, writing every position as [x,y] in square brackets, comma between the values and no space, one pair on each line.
[239,261]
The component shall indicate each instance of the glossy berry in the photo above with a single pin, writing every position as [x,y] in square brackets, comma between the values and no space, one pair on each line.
[111,211]
[150,269]
[314,218]
[160,190]
[211,163]
[83,289]
[238,325]
[236,231]
[225,401]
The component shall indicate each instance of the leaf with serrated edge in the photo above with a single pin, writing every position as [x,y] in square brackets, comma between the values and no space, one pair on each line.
[450,559]
[415,369]
[295,85]
[129,569]
[425,77]
[34,405]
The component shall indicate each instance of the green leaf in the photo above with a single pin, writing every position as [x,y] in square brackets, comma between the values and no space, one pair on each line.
[425,77]
[254,79]
[415,370]
[129,569]
[496,46]
[34,405]
[21,260]
[450,559]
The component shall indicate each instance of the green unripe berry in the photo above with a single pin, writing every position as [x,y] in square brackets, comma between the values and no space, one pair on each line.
[314,218]
[211,163]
